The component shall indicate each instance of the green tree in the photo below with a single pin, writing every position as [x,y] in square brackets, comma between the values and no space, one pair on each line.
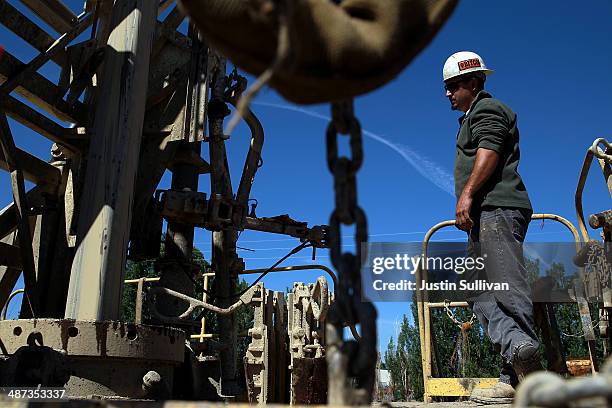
[142,269]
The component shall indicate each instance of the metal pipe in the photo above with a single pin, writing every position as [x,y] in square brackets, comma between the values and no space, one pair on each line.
[324,268]
[253,156]
[604,158]
[193,303]
[578,196]
[8,301]
[439,305]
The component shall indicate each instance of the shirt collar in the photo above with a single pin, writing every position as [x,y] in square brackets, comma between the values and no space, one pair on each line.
[481,95]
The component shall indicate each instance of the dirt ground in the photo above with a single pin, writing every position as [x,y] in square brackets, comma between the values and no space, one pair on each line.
[460,404]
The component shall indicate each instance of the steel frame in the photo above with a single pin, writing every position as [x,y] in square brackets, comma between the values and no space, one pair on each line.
[455,387]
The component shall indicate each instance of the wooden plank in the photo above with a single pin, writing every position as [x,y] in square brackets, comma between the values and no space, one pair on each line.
[41,92]
[53,12]
[25,28]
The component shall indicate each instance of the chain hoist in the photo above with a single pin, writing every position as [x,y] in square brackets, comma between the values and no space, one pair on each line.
[461,352]
[348,359]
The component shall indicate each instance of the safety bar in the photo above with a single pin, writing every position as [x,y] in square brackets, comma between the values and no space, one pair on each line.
[424,314]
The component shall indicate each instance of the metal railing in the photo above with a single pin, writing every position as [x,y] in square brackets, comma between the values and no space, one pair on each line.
[454,386]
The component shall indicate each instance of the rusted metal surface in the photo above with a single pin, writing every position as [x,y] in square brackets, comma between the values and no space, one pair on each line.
[348,361]
[85,357]
[225,261]
[160,98]
[179,235]
[105,216]
[307,306]
[279,351]
[309,381]
[578,367]
[259,361]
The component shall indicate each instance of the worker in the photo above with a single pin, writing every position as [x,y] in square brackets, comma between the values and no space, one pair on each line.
[493,207]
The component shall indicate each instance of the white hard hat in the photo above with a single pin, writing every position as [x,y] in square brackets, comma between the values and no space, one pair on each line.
[464,62]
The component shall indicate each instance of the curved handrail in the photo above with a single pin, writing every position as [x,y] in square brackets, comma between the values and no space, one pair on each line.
[8,301]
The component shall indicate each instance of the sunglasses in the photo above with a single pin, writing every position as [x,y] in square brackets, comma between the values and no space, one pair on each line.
[453,86]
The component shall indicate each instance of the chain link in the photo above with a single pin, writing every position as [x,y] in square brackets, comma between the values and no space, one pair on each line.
[598,263]
[462,325]
[348,307]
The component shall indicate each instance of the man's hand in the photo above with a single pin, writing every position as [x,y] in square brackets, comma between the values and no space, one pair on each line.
[462,212]
[484,165]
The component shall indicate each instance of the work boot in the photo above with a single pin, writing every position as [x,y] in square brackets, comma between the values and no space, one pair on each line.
[526,360]
[500,393]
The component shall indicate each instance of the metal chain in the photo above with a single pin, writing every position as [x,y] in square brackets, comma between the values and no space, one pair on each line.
[461,353]
[357,360]
[598,263]
[454,318]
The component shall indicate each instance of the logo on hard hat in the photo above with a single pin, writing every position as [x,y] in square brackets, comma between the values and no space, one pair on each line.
[467,64]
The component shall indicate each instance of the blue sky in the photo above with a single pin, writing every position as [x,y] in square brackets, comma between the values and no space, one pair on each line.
[552,65]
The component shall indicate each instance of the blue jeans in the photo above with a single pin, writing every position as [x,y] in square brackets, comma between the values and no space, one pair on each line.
[506,315]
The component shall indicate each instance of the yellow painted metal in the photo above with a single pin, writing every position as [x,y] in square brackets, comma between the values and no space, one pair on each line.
[458,387]
[144,280]
[442,387]
[203,335]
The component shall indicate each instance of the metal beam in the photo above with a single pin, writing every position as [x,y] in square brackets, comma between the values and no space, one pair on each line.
[9,256]
[104,222]
[41,92]
[22,113]
[8,215]
[25,28]
[7,144]
[41,59]
[8,275]
[53,12]
[34,169]
[224,256]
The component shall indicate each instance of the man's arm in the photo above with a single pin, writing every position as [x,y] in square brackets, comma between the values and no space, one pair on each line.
[484,166]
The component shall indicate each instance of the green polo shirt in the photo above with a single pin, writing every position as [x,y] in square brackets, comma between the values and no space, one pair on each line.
[490,124]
